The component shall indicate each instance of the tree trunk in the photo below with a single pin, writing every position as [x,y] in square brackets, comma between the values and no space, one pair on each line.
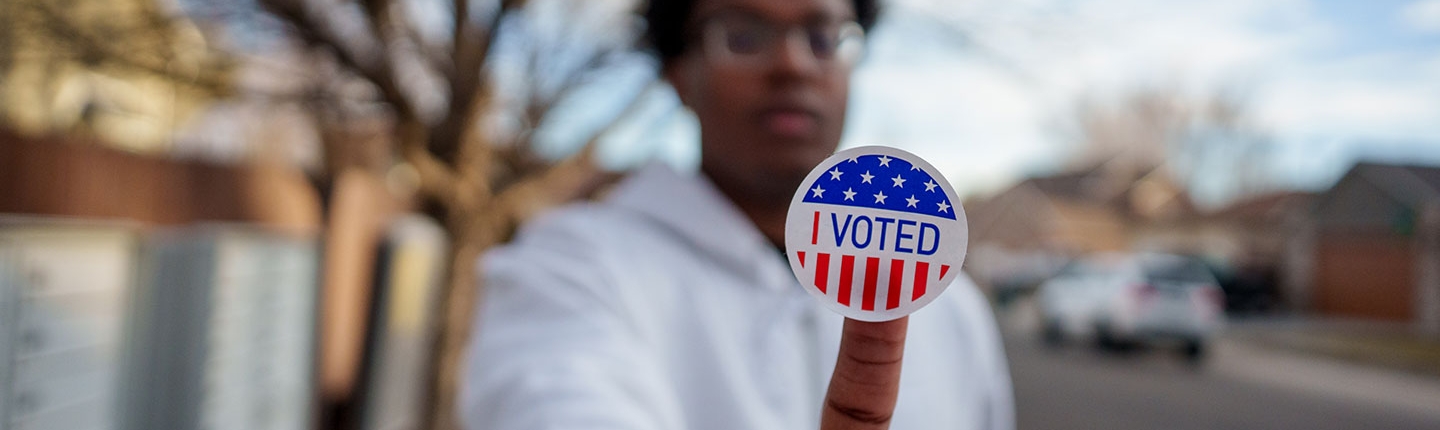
[473,234]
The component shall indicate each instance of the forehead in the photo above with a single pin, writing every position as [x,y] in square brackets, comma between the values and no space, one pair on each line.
[781,10]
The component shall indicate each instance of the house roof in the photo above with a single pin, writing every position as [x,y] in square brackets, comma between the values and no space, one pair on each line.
[1072,184]
[1142,193]
[1412,185]
[1085,209]
[1380,196]
[1271,207]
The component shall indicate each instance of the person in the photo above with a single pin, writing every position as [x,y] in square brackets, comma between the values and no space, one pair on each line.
[670,305]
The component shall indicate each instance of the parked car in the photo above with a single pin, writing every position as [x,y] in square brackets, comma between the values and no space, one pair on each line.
[1123,300]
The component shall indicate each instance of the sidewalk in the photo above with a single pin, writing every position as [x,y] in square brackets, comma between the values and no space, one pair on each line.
[1378,344]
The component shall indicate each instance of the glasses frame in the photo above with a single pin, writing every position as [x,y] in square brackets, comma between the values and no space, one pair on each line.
[849,45]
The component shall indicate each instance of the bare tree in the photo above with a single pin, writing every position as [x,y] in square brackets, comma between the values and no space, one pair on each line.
[1226,141]
[1207,140]
[431,77]
[441,95]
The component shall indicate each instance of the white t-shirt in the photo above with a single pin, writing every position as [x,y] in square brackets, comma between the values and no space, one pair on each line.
[664,308]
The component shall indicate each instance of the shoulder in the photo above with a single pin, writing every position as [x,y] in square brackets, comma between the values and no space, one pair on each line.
[574,237]
[638,217]
[595,255]
[583,224]
[588,228]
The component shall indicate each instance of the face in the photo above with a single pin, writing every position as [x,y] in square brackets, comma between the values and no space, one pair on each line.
[769,115]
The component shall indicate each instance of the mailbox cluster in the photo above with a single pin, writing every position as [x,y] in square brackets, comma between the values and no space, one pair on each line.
[108,326]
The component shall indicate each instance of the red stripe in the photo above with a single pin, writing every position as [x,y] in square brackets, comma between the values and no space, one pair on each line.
[847,265]
[892,297]
[802,258]
[872,271]
[815,230]
[944,268]
[922,277]
[822,270]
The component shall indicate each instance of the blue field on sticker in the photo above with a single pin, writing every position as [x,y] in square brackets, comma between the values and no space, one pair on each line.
[881,182]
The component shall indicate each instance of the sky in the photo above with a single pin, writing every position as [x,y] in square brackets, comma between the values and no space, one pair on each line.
[1332,81]
[978,87]
[983,89]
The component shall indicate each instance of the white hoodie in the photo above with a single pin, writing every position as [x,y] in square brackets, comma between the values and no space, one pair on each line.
[664,308]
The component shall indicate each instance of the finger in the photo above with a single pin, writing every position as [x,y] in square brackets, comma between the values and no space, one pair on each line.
[867,376]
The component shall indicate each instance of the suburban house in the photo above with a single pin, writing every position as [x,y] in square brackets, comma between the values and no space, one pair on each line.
[1022,234]
[1371,247]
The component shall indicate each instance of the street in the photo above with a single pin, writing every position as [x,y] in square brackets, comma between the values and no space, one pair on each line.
[1239,386]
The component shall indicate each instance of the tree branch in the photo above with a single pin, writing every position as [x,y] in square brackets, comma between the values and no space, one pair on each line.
[571,178]
[92,47]
[369,62]
[467,88]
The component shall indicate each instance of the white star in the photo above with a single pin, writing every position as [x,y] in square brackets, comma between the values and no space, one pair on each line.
[835,174]
[849,195]
[899,181]
[880,197]
[884,161]
[819,192]
[930,186]
[910,202]
[855,159]
[865,177]
[944,207]
[914,167]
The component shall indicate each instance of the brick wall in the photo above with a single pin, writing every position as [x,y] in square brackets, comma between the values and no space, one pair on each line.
[76,178]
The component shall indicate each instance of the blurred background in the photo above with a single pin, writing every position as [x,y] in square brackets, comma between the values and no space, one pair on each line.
[262,214]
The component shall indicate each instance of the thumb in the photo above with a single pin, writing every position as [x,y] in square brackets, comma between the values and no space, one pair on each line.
[867,376]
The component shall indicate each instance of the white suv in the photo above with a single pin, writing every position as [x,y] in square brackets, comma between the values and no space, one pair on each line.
[1131,299]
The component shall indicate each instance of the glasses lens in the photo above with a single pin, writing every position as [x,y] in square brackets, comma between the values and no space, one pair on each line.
[823,41]
[744,40]
[738,36]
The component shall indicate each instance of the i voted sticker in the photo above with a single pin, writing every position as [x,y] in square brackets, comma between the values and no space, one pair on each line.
[875,233]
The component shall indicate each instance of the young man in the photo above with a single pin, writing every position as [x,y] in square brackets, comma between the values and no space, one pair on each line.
[670,304]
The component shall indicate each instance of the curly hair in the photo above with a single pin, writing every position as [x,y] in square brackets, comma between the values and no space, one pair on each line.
[665,20]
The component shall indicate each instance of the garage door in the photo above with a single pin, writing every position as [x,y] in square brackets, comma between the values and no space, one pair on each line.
[1365,276]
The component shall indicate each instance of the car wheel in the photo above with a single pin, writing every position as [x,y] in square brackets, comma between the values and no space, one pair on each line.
[1194,351]
[1104,339]
[1053,335]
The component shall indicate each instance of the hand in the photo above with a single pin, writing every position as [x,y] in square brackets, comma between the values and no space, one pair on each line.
[867,376]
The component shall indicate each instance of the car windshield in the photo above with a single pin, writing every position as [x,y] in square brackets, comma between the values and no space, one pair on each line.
[1089,269]
[1074,269]
[1176,271]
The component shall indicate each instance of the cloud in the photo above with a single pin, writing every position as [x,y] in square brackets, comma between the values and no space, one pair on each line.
[981,96]
[1316,72]
[1423,15]
[1380,96]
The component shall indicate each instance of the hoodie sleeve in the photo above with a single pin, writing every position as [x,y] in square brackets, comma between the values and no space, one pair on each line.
[552,347]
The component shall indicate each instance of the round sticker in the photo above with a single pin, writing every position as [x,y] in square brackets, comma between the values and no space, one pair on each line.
[875,233]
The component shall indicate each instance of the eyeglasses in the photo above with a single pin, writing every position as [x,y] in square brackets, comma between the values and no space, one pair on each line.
[751,42]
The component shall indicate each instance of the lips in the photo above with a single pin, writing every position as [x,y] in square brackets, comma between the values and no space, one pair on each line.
[790,121]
